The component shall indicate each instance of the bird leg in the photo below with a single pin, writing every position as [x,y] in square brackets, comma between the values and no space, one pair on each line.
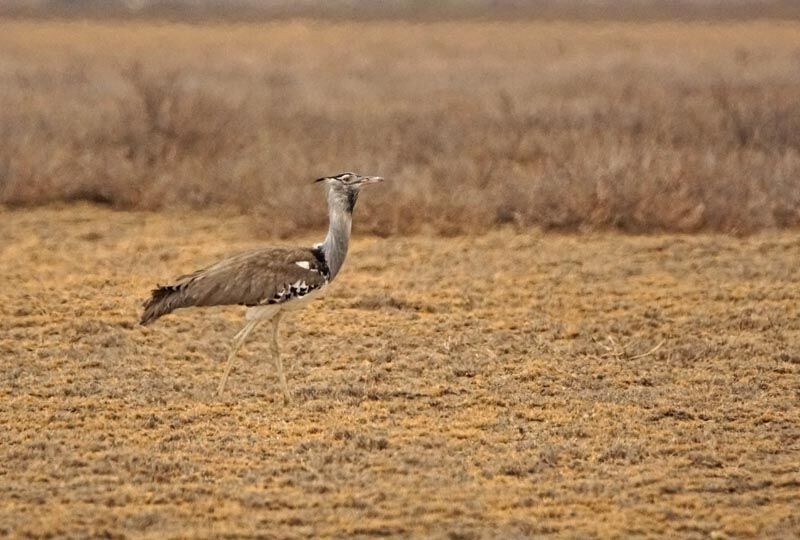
[236,344]
[277,355]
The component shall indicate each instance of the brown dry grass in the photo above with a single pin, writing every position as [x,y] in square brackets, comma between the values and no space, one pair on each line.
[640,127]
[508,386]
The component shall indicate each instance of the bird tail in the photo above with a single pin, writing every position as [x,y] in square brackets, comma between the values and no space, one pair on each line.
[163,300]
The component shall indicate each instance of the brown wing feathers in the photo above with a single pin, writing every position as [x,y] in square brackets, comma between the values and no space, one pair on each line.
[252,278]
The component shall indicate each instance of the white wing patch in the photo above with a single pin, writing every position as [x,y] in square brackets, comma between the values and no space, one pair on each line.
[303,264]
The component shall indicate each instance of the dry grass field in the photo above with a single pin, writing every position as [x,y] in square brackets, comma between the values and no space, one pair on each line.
[664,126]
[478,370]
[509,385]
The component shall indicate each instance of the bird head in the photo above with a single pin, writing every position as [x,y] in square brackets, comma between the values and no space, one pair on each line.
[343,188]
[349,180]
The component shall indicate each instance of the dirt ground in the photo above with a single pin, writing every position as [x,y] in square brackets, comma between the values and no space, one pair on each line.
[511,385]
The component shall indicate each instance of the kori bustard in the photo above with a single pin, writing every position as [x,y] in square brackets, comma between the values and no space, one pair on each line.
[271,280]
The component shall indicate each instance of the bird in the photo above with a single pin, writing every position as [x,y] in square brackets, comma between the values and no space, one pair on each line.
[269,281]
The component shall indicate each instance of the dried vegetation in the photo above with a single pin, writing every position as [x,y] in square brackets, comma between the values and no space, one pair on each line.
[632,126]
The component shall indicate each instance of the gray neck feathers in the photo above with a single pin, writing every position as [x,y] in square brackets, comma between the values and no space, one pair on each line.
[340,210]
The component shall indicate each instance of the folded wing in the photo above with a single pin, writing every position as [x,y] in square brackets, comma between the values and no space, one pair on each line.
[264,276]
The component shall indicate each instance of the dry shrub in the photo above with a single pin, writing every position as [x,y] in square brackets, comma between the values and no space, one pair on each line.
[566,126]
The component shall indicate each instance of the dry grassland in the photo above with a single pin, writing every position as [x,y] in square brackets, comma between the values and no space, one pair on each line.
[502,386]
[634,126]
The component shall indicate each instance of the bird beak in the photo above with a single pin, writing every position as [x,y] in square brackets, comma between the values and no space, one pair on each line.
[372,180]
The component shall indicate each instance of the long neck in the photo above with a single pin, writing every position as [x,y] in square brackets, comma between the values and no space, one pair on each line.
[334,247]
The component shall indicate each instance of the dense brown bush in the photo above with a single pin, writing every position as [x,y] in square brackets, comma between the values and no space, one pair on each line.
[638,127]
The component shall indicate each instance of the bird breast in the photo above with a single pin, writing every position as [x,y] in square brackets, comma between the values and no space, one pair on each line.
[267,311]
